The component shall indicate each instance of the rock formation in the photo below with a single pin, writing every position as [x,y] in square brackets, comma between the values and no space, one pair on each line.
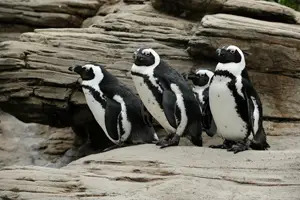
[148,173]
[35,85]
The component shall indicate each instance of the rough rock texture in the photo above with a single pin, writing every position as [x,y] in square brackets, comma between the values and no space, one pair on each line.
[148,173]
[13,31]
[31,144]
[274,56]
[47,13]
[195,9]
[36,86]
[46,91]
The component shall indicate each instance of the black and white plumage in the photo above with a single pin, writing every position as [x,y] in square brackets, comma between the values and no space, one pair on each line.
[201,80]
[167,96]
[234,103]
[115,107]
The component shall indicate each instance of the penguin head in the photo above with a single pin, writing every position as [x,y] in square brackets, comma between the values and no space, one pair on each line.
[88,72]
[201,77]
[231,59]
[230,54]
[146,57]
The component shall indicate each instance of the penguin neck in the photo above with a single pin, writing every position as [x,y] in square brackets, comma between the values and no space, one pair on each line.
[200,89]
[234,68]
[146,70]
[94,83]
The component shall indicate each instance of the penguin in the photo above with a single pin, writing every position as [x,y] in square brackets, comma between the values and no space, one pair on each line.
[235,105]
[201,80]
[115,107]
[168,97]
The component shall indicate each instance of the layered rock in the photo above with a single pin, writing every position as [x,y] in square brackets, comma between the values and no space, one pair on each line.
[146,172]
[274,59]
[257,9]
[31,144]
[46,92]
[47,13]
[19,16]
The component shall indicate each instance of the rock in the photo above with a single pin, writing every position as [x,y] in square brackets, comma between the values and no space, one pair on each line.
[37,87]
[273,61]
[257,9]
[12,31]
[147,172]
[31,144]
[288,128]
[46,92]
[47,13]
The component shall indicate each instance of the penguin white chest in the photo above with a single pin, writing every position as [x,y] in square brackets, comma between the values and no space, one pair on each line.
[223,107]
[96,108]
[151,103]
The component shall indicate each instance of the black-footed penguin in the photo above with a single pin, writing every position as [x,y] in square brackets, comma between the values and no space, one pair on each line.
[115,107]
[234,103]
[201,80]
[167,96]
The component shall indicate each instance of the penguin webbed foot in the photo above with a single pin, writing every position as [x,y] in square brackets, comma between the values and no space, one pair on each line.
[170,140]
[239,147]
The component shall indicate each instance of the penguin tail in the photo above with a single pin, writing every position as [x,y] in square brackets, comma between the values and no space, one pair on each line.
[195,133]
[144,134]
[259,141]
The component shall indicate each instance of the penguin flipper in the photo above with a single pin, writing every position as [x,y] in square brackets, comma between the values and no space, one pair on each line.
[169,104]
[112,112]
[255,116]
[207,120]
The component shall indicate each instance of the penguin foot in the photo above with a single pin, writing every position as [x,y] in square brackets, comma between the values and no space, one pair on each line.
[227,144]
[165,139]
[239,147]
[172,142]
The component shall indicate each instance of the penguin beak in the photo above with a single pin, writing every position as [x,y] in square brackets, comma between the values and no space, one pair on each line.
[77,69]
[218,52]
[134,55]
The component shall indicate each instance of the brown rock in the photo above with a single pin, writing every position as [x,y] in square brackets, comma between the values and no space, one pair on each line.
[47,13]
[12,31]
[274,47]
[257,9]
[274,59]
[40,61]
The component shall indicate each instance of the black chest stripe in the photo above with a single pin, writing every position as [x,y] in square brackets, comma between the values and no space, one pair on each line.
[157,94]
[96,95]
[241,103]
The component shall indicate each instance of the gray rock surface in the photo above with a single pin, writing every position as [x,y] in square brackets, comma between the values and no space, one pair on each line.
[274,56]
[147,172]
[31,144]
[45,87]
[47,13]
[41,59]
[36,86]
[257,9]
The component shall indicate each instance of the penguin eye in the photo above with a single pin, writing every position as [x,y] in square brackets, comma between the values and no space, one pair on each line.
[232,51]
